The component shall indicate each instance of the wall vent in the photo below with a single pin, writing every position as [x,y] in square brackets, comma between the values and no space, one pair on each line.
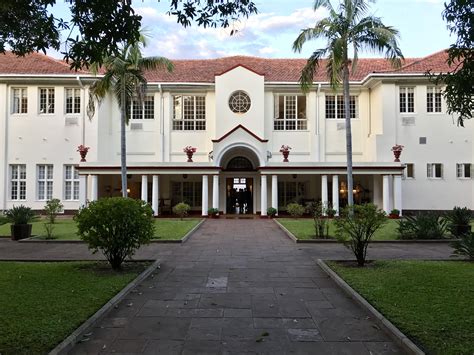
[341,126]
[422,140]
[71,121]
[408,121]
[136,126]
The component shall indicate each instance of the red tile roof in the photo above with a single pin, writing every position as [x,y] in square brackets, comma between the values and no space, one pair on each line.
[205,70]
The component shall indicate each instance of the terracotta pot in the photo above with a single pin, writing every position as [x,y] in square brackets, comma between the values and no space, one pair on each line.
[397,156]
[393,216]
[20,231]
[190,156]
[285,156]
[83,156]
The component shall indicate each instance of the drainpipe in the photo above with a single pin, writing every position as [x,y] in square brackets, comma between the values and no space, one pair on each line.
[162,124]
[5,175]
[83,100]
[318,155]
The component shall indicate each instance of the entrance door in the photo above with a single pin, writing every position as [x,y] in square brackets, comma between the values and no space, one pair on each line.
[239,195]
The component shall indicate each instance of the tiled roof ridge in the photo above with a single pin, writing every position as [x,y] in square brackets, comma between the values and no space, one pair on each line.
[418,61]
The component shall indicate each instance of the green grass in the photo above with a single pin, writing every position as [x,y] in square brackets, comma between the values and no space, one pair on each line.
[303,228]
[42,303]
[429,301]
[65,228]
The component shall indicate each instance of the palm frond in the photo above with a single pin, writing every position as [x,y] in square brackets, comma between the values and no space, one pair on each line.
[307,74]
[152,63]
[336,61]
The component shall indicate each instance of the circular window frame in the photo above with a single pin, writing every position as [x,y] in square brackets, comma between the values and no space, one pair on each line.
[241,107]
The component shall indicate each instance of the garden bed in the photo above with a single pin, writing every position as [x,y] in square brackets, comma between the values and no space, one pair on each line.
[429,301]
[43,302]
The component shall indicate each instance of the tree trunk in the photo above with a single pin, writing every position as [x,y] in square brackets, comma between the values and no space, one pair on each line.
[123,145]
[347,113]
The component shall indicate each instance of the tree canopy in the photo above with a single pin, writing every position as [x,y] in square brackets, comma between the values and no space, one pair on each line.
[459,90]
[29,25]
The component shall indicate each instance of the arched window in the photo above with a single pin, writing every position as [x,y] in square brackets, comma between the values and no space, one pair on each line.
[240,164]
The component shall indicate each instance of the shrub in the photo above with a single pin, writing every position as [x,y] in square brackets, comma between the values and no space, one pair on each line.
[117,226]
[321,224]
[356,229]
[213,211]
[422,226]
[271,211]
[181,210]
[20,215]
[52,208]
[395,212]
[458,221]
[464,246]
[295,210]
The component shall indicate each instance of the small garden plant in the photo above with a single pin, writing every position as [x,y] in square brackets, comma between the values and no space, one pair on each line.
[52,208]
[295,210]
[21,218]
[181,210]
[423,226]
[321,223]
[458,221]
[464,246]
[271,212]
[356,227]
[213,212]
[117,226]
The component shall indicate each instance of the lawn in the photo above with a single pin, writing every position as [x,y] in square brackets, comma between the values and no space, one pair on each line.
[303,228]
[43,302]
[65,228]
[429,301]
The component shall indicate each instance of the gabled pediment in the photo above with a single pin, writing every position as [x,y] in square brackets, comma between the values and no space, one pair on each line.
[239,127]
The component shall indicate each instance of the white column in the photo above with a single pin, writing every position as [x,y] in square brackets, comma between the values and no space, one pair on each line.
[335,193]
[215,191]
[82,190]
[145,188]
[95,188]
[275,192]
[155,195]
[263,196]
[205,195]
[386,193]
[397,193]
[324,192]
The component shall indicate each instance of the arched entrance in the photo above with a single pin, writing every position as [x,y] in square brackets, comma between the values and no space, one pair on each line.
[239,167]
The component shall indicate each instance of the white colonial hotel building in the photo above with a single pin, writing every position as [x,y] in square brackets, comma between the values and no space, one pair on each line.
[237,112]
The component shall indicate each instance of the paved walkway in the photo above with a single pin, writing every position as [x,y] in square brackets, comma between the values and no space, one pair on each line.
[239,286]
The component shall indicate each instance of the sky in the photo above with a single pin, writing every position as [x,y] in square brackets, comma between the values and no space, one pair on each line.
[272,31]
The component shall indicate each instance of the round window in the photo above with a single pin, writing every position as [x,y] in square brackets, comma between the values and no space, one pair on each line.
[239,102]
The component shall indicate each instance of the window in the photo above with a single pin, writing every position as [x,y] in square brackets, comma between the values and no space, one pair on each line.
[434,171]
[73,100]
[189,113]
[186,191]
[335,106]
[290,191]
[407,100]
[464,171]
[410,171]
[144,111]
[290,113]
[18,182]
[20,100]
[46,100]
[239,102]
[71,183]
[433,99]
[44,190]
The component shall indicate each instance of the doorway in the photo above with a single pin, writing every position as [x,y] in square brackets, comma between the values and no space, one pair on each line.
[239,195]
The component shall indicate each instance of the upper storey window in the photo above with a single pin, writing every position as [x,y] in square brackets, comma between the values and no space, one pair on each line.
[407,99]
[290,113]
[335,106]
[20,100]
[239,102]
[189,113]
[433,99]
[46,100]
[73,100]
[144,110]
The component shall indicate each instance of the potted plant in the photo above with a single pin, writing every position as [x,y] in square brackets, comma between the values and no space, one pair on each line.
[271,212]
[189,152]
[330,212]
[83,150]
[20,218]
[459,220]
[213,212]
[394,214]
[285,151]
[397,150]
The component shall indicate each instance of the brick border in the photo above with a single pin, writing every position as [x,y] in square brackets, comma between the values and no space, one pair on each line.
[395,333]
[67,344]
[332,240]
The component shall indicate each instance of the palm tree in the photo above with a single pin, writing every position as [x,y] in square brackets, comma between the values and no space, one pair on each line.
[124,76]
[346,29]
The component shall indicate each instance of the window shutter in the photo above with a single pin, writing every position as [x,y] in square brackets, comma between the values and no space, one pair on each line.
[276,109]
[441,170]
[471,169]
[428,170]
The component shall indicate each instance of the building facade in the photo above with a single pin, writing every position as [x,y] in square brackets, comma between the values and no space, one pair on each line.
[237,112]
